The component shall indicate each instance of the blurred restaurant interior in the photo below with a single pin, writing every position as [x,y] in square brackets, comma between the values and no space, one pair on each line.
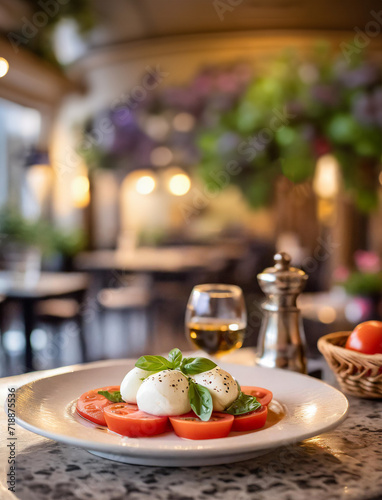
[149,146]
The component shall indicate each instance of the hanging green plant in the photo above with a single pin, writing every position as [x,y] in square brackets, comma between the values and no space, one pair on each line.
[36,30]
[297,111]
[251,129]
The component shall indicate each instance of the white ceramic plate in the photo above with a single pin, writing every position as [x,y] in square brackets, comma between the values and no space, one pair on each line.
[303,407]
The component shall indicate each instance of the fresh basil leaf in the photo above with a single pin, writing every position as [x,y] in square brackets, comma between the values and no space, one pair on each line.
[193,366]
[238,386]
[243,404]
[114,397]
[175,356]
[153,363]
[200,400]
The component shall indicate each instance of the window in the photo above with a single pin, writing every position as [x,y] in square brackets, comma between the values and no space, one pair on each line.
[20,129]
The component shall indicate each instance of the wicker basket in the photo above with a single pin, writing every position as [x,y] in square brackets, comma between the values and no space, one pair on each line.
[358,374]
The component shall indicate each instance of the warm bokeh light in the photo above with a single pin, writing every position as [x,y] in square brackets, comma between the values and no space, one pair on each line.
[327,314]
[80,190]
[179,184]
[183,122]
[161,156]
[156,127]
[326,183]
[380,178]
[145,184]
[39,178]
[4,67]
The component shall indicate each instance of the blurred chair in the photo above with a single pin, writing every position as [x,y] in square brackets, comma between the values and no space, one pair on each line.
[57,312]
[126,309]
[170,301]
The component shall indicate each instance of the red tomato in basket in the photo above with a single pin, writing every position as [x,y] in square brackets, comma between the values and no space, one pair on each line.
[366,338]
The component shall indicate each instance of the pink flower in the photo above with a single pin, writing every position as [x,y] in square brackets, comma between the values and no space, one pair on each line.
[367,262]
[341,274]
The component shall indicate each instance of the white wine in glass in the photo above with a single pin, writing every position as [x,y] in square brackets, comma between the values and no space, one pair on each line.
[216,318]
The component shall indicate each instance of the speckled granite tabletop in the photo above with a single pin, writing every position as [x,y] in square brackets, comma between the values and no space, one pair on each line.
[343,464]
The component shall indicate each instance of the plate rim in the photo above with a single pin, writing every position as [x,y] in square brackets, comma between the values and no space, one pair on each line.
[160,452]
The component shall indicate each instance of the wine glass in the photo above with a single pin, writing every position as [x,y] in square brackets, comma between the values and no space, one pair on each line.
[216,318]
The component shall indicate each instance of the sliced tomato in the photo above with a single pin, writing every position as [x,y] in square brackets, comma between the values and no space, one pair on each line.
[190,426]
[91,404]
[124,419]
[251,421]
[263,396]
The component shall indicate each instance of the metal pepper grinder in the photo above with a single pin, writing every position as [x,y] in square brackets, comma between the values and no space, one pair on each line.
[282,339]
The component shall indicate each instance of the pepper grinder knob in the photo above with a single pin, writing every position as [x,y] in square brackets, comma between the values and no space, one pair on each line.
[282,261]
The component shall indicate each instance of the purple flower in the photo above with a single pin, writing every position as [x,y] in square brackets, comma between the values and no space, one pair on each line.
[295,108]
[226,82]
[365,75]
[126,133]
[326,94]
[203,84]
[184,99]
[123,116]
[228,142]
[367,108]
[308,132]
[221,102]
[143,149]
[363,109]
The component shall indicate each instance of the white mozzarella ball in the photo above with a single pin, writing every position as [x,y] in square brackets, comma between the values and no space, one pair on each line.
[131,383]
[165,393]
[222,386]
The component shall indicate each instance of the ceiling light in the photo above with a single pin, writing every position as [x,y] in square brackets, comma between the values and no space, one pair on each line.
[80,190]
[145,184]
[4,67]
[326,182]
[179,184]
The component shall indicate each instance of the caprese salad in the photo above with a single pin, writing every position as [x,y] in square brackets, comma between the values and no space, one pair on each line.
[192,396]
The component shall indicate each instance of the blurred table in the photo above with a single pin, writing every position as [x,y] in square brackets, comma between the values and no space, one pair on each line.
[343,464]
[174,259]
[326,307]
[49,286]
